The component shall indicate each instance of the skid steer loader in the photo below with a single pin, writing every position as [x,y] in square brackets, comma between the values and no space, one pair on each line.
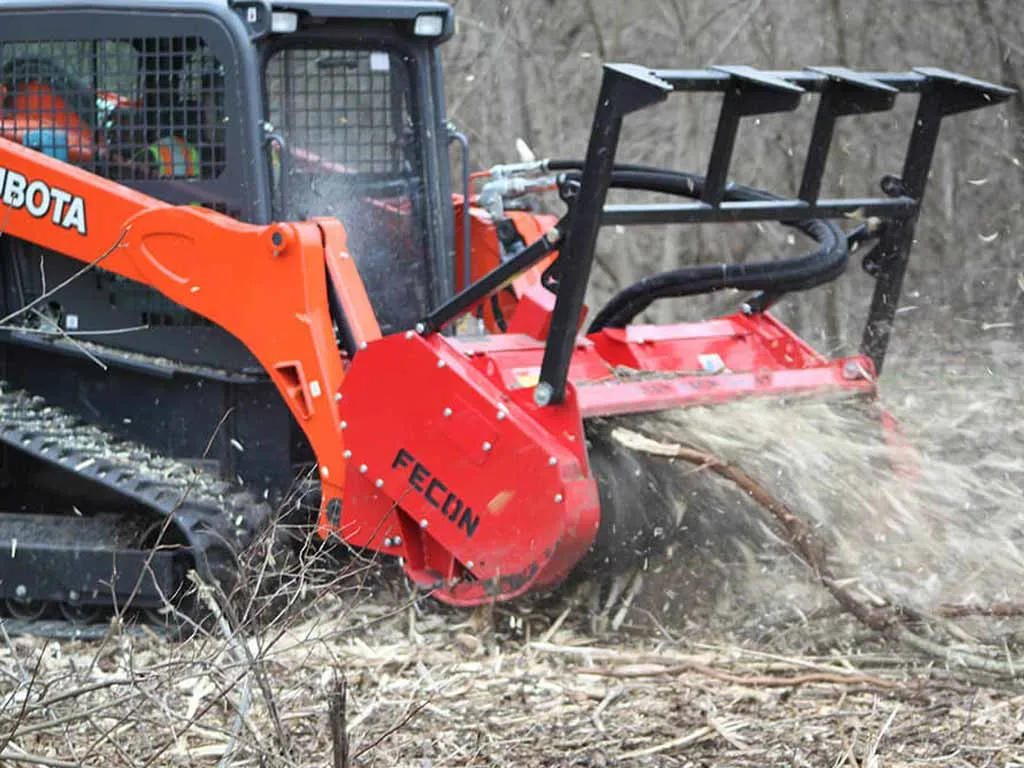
[231,251]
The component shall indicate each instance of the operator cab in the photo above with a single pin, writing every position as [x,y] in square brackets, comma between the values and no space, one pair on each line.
[354,110]
[283,111]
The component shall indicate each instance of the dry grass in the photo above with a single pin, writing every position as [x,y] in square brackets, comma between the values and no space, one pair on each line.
[428,687]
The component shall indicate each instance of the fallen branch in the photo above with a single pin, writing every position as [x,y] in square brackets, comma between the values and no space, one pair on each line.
[78,714]
[889,619]
[393,729]
[217,698]
[25,757]
[770,681]
[996,610]
[24,704]
[797,531]
[75,693]
[683,741]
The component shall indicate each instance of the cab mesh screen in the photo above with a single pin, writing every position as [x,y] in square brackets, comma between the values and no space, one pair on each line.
[149,108]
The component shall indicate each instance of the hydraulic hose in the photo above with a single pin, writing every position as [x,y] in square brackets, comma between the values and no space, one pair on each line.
[821,265]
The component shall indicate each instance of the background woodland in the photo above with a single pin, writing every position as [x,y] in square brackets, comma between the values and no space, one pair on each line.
[530,69]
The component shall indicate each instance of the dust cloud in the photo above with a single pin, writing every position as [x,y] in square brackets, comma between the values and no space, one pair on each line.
[930,518]
[384,234]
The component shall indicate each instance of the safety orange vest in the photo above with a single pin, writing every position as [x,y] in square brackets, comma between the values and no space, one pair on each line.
[175,157]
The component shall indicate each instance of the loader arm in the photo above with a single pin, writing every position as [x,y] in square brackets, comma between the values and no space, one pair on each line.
[266,285]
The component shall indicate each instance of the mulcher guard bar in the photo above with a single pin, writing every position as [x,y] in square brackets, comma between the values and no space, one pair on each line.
[479,447]
[747,91]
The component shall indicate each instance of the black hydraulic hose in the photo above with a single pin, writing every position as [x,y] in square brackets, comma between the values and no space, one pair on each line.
[822,265]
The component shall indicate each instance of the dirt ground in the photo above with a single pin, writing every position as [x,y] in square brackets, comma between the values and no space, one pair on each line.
[723,655]
[436,688]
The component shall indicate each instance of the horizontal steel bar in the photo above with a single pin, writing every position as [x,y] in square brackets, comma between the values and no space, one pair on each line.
[768,210]
[670,393]
[711,80]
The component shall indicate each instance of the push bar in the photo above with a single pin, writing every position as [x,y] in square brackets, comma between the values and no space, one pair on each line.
[627,88]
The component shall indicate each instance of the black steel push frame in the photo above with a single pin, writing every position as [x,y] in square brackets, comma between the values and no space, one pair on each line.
[628,88]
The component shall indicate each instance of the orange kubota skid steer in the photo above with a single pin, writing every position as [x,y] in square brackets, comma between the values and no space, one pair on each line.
[230,251]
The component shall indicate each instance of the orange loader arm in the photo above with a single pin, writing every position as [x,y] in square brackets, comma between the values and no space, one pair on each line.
[266,285]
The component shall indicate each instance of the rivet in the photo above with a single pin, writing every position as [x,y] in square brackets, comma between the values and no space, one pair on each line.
[344,425]
[73,596]
[363,345]
[347,454]
[325,471]
[379,483]
[501,415]
[558,498]
[362,469]
[447,412]
[441,363]
[487,446]
[469,564]
[337,397]
[420,327]
[552,461]
[409,334]
[424,523]
[20,590]
[388,542]
[543,393]
[397,541]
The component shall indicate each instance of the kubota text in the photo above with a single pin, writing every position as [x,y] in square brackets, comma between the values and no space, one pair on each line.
[39,199]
